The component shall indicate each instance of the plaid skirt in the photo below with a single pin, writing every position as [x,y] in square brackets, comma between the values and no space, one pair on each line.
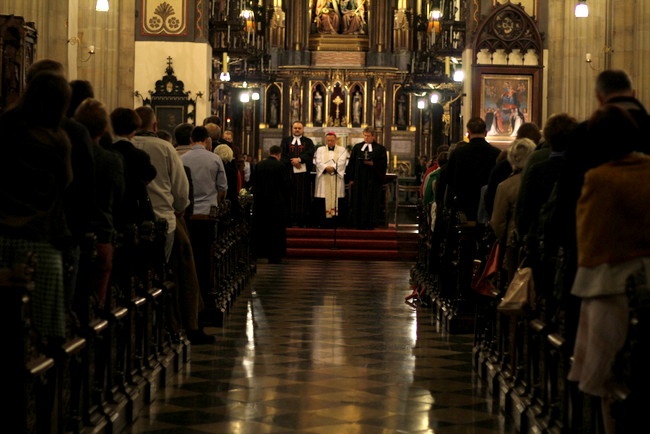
[48,297]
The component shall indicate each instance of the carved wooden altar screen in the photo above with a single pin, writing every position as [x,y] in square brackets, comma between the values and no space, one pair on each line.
[170,101]
[17,44]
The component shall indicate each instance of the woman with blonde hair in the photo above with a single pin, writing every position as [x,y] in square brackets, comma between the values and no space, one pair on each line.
[232,176]
[503,214]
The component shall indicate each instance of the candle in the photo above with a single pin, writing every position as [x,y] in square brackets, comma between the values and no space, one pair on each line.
[388,156]
[395,161]
[259,154]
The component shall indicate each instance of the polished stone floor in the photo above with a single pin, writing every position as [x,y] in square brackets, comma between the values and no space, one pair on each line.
[327,347]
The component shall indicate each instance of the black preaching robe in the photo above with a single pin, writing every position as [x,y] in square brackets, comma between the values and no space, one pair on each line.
[270,209]
[366,192]
[301,183]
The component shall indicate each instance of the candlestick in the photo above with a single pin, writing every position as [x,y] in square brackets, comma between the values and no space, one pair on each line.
[395,161]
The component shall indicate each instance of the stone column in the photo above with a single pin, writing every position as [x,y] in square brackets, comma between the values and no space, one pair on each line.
[297,31]
[380,24]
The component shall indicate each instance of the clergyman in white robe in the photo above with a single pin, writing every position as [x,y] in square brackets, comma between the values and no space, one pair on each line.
[330,161]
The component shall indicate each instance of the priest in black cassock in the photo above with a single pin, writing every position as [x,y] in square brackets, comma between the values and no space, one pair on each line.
[298,157]
[366,172]
[270,207]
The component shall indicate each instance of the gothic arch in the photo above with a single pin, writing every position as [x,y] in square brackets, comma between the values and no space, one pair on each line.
[509,28]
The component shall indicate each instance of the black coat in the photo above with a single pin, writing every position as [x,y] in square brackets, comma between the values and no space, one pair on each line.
[270,208]
[368,182]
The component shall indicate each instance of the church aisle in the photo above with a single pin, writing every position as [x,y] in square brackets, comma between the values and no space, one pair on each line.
[326,347]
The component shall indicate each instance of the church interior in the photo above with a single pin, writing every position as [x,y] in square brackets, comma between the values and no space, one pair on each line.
[348,355]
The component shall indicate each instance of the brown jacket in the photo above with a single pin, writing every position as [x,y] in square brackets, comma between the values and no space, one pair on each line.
[613,212]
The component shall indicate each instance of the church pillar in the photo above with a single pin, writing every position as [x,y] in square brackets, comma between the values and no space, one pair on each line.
[615,35]
[638,52]
[380,24]
[297,31]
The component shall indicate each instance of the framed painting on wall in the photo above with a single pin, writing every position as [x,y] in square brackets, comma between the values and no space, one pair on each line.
[505,98]
[169,116]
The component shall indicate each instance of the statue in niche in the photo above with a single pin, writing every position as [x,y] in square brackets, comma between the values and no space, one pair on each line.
[276,26]
[221,10]
[379,107]
[273,110]
[318,108]
[327,16]
[295,106]
[401,111]
[356,109]
[353,20]
[401,30]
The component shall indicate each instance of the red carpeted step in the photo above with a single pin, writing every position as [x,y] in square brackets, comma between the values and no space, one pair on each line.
[370,255]
[378,244]
[344,243]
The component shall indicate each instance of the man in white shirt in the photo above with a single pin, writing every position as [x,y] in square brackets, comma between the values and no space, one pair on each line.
[207,171]
[170,189]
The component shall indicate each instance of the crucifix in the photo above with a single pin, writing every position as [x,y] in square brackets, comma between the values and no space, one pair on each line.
[338,101]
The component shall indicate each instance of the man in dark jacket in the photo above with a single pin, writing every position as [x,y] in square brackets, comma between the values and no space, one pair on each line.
[271,207]
[469,168]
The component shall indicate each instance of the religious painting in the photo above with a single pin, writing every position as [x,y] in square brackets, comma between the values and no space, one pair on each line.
[506,98]
[169,116]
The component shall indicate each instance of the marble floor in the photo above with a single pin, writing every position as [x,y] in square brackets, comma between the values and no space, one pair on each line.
[321,347]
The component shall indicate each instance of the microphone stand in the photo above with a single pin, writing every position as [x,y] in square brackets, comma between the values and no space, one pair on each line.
[336,201]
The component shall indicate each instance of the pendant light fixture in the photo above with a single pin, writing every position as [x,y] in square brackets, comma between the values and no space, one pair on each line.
[101,6]
[582,10]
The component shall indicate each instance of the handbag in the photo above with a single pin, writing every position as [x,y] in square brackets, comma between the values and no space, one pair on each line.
[482,283]
[520,295]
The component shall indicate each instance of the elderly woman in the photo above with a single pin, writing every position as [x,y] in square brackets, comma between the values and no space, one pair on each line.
[232,176]
[503,218]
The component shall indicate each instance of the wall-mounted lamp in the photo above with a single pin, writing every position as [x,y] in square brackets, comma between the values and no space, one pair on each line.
[91,51]
[101,6]
[588,60]
[78,40]
[225,75]
[459,75]
[582,10]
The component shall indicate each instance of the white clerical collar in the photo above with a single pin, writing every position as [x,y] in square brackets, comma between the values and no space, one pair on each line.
[296,140]
[367,145]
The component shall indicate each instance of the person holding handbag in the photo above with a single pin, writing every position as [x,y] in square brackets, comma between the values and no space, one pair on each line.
[503,214]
